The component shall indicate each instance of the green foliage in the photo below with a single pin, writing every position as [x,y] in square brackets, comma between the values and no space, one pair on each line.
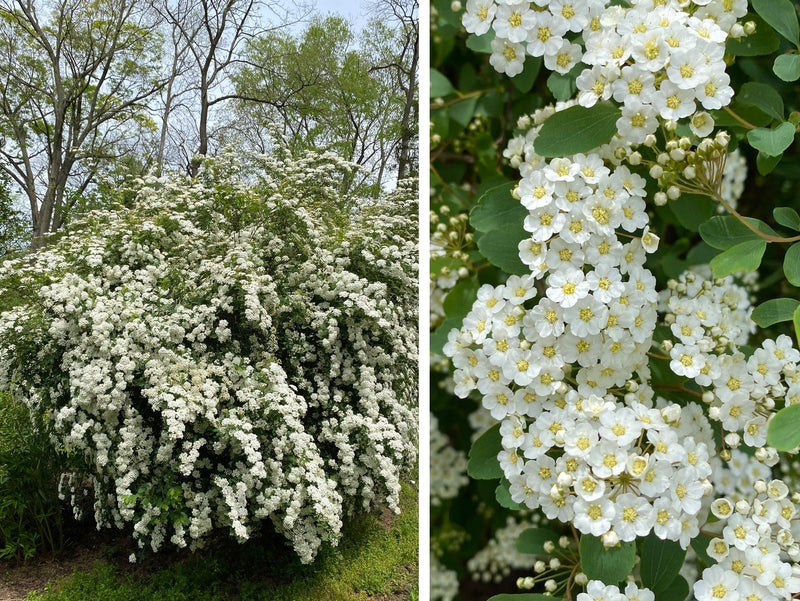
[482,464]
[773,311]
[577,129]
[745,256]
[784,429]
[781,16]
[787,67]
[609,565]
[725,232]
[660,564]
[772,142]
[30,511]
[791,264]
[497,209]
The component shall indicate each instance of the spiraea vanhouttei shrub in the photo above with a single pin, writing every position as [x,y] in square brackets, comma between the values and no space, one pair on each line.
[229,349]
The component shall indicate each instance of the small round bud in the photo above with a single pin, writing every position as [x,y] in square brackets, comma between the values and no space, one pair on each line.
[581,579]
[455,6]
[660,199]
[673,193]
[749,28]
[650,140]
[539,567]
[610,539]
[733,440]
[550,586]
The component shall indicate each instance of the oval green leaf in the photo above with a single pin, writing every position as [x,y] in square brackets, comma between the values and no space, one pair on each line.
[661,562]
[745,256]
[482,463]
[791,264]
[609,565]
[787,217]
[501,248]
[725,231]
[763,97]
[497,209]
[774,311]
[678,590]
[440,85]
[458,301]
[772,142]
[503,496]
[781,16]
[787,67]
[784,429]
[577,129]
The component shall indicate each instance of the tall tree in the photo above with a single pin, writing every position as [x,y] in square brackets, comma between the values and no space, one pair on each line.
[326,89]
[75,76]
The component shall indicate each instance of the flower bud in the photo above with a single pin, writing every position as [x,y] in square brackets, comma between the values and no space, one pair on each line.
[610,539]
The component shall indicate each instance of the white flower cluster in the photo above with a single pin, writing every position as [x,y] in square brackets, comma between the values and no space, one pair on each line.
[226,352]
[655,58]
[567,374]
[448,471]
[734,176]
[444,582]
[758,536]
[599,591]
[500,556]
[710,320]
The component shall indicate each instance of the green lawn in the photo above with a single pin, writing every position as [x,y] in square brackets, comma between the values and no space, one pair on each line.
[376,560]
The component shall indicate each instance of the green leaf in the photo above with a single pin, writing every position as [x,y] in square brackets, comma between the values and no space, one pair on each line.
[530,71]
[787,67]
[691,210]
[497,209]
[532,540]
[661,562]
[774,311]
[440,85]
[796,323]
[787,217]
[678,590]
[784,429]
[482,463]
[463,111]
[609,565]
[439,337]
[458,301]
[523,597]
[791,264]
[725,231]
[763,41]
[577,129]
[781,16]
[766,164]
[562,86]
[503,496]
[772,141]
[481,44]
[745,256]
[501,248]
[762,96]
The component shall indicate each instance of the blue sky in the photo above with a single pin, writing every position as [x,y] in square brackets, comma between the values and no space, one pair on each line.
[353,10]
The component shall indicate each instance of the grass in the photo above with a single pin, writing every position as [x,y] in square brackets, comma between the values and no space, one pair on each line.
[373,562]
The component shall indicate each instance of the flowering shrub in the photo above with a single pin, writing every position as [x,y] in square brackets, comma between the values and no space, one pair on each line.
[600,303]
[232,348]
